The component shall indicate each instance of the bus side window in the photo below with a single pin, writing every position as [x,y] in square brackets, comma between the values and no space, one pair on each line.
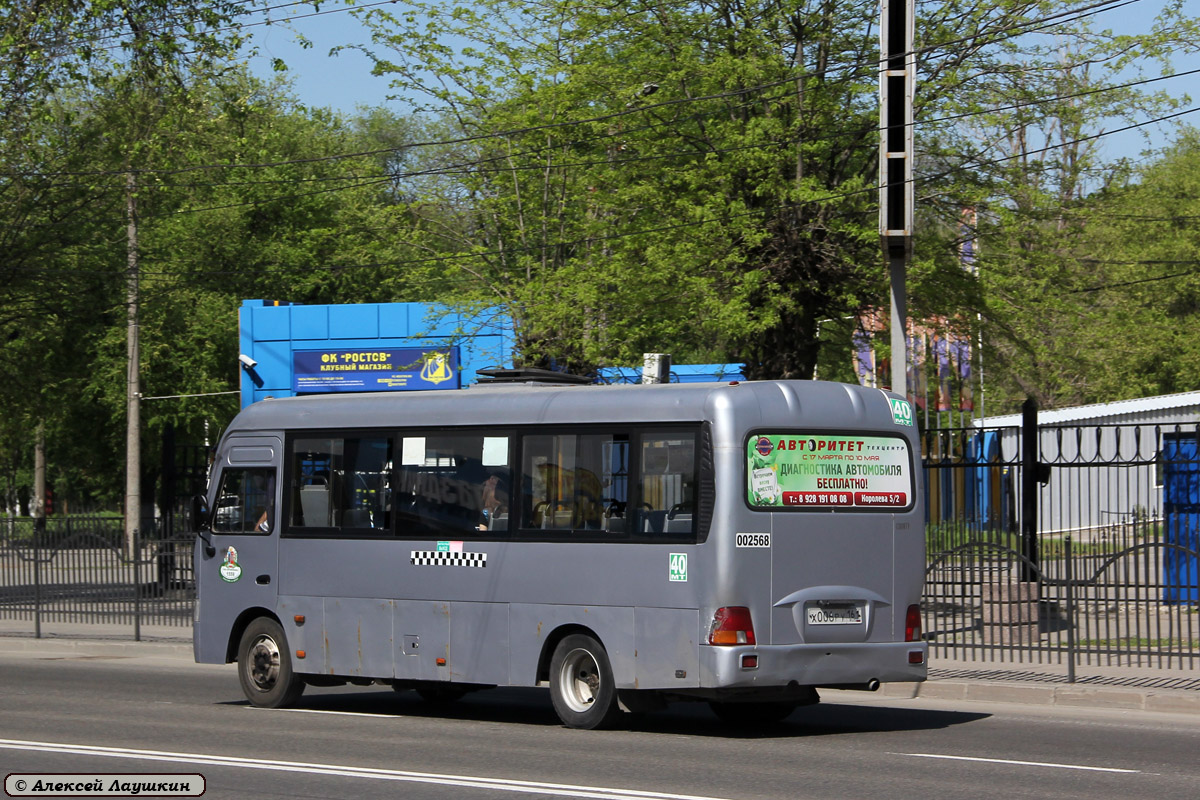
[454,485]
[246,501]
[342,483]
[667,485]
[575,482]
[313,464]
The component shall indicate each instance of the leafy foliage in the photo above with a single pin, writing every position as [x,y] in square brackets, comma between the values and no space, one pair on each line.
[697,178]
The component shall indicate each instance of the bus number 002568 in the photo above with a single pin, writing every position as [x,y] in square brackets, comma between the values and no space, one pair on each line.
[753,540]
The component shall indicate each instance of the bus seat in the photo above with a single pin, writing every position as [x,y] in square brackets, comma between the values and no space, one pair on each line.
[558,520]
[652,521]
[681,523]
[499,523]
[314,504]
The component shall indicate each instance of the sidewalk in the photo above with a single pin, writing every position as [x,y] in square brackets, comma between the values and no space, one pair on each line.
[86,639]
[1134,688]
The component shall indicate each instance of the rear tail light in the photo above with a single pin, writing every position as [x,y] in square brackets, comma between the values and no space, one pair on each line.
[731,625]
[912,624]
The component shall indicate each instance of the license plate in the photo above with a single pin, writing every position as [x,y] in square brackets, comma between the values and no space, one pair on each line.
[835,615]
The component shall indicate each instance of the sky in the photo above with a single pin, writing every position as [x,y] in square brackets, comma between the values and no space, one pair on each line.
[344,82]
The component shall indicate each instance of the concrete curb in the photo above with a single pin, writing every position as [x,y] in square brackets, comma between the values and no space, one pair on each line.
[1073,695]
[100,648]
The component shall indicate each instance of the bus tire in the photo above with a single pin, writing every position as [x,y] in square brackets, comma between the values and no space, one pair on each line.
[265,666]
[752,713]
[582,687]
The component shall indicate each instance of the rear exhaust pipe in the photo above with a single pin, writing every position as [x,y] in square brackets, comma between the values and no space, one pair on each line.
[871,685]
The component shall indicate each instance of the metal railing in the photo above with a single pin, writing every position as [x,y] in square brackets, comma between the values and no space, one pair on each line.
[1083,552]
[1105,571]
[77,570]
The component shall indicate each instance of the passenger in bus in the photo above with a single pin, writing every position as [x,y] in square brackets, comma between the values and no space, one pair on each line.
[493,503]
[589,501]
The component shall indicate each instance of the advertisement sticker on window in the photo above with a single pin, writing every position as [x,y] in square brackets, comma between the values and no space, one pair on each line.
[802,470]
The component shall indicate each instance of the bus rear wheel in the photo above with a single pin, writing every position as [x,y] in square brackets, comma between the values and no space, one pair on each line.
[582,687]
[265,666]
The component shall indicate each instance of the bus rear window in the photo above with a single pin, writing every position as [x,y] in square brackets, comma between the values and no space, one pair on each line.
[803,470]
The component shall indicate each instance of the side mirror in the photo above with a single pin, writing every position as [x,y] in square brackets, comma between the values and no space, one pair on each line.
[201,522]
[200,513]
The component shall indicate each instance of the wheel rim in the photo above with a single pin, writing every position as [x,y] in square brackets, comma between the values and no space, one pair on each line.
[263,666]
[579,680]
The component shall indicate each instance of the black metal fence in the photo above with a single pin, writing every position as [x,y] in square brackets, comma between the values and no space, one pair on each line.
[1060,544]
[1064,544]
[78,570]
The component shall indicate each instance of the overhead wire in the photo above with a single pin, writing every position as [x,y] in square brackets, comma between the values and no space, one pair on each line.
[1062,18]
[472,166]
[831,197]
[728,94]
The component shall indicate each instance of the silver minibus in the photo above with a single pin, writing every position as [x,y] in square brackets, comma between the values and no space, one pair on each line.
[743,544]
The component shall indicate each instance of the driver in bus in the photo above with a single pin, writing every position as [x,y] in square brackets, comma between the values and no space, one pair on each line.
[268,514]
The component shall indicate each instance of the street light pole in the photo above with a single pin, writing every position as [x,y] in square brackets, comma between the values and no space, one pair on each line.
[897,79]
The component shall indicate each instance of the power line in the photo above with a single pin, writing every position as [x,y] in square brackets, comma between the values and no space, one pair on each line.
[663,228]
[1124,284]
[463,167]
[1034,25]
[1072,96]
[241,25]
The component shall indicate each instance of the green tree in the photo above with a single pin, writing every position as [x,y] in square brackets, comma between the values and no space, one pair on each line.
[1015,130]
[1142,292]
[654,176]
[701,178]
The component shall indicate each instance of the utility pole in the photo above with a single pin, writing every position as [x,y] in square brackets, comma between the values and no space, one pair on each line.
[133,421]
[897,80]
[39,475]
[656,368]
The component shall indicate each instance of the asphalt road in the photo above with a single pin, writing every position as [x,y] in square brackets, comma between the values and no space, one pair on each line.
[71,714]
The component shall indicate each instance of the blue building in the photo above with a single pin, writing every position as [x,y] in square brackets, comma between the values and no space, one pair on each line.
[290,349]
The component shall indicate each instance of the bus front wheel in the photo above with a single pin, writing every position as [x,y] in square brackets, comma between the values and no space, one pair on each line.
[265,666]
[582,687]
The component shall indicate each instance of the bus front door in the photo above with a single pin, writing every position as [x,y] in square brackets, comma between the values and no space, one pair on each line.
[240,572]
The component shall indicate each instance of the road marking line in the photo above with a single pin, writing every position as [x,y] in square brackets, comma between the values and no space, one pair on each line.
[1017,763]
[370,714]
[496,784]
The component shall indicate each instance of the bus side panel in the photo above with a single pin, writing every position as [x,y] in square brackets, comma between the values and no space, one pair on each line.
[422,636]
[479,643]
[532,624]
[359,637]
[306,635]
[667,654]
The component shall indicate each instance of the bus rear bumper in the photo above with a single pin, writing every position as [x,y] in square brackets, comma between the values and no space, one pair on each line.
[842,665]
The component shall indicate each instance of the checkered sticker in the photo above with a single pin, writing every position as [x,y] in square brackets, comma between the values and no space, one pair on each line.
[436,558]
